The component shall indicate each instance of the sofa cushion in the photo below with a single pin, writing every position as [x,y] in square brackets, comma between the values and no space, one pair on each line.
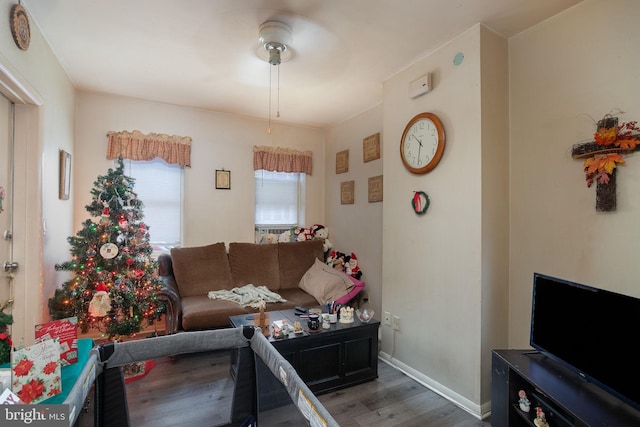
[199,313]
[255,264]
[201,269]
[295,259]
[325,283]
[295,297]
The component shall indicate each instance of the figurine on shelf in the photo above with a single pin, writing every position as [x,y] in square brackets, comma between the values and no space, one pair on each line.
[263,320]
[541,419]
[297,328]
[346,315]
[524,403]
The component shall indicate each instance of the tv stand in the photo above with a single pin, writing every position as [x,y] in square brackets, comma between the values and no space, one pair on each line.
[566,398]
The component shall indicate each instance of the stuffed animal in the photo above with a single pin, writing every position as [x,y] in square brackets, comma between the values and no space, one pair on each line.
[100,304]
[270,238]
[322,232]
[328,258]
[352,268]
[338,261]
[285,236]
[303,234]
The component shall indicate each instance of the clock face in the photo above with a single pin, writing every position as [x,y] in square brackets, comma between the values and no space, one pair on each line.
[422,143]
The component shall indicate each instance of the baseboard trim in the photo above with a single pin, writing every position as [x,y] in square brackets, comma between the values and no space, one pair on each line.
[480,412]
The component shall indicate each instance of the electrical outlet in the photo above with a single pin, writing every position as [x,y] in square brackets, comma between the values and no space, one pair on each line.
[396,323]
[387,318]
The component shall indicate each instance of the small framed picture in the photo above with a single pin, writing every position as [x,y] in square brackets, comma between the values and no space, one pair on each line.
[64,184]
[223,179]
[375,189]
[371,148]
[347,196]
[342,161]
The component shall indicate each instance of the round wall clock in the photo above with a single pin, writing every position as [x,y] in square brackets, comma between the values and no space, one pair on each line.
[20,27]
[422,143]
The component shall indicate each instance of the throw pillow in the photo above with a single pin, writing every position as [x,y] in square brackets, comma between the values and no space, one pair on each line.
[358,285]
[324,283]
[201,269]
[295,259]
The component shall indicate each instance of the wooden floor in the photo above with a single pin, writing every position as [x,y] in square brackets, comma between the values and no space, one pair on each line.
[195,390]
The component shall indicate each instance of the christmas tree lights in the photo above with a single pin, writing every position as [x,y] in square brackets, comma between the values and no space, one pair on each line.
[114,287]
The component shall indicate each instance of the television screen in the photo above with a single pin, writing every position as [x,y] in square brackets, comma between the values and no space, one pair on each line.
[590,330]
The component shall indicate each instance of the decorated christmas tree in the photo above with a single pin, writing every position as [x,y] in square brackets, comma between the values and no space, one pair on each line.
[5,339]
[114,287]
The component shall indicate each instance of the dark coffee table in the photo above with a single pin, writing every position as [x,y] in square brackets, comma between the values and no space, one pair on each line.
[346,354]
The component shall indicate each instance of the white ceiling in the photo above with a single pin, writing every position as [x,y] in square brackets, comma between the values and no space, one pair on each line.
[202,53]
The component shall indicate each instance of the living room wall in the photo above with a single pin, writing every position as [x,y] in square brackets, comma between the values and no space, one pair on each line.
[436,277]
[220,141]
[357,227]
[565,74]
[44,125]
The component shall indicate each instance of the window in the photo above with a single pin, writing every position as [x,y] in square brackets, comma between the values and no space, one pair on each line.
[279,199]
[159,186]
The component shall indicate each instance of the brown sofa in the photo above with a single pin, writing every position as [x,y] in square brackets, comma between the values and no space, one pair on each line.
[188,274]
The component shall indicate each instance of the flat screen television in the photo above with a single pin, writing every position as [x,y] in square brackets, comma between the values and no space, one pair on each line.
[591,331]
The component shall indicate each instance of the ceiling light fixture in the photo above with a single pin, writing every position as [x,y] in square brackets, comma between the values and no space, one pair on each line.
[274,37]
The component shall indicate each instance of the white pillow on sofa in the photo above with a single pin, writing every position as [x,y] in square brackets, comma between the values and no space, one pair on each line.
[325,283]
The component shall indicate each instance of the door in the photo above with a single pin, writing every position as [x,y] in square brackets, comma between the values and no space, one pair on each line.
[7,265]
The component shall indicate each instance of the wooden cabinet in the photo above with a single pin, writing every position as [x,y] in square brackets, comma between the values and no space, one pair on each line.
[565,397]
[327,360]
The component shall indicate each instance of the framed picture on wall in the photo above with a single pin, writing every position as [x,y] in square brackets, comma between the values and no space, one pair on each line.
[375,189]
[223,179]
[342,161]
[64,183]
[347,196]
[371,148]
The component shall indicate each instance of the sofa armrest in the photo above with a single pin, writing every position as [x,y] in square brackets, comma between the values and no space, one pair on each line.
[169,294]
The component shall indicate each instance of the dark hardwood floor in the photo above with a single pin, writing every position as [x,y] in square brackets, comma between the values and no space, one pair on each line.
[195,390]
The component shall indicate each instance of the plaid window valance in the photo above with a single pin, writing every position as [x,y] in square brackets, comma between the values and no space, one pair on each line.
[138,146]
[276,159]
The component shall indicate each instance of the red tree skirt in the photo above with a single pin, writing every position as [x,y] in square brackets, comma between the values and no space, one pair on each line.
[137,370]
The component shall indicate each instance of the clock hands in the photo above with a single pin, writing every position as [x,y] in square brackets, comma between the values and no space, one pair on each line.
[419,146]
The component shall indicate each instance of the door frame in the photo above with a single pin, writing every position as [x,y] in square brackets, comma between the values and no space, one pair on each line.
[27,201]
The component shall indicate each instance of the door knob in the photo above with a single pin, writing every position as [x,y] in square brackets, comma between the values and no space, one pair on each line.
[11,266]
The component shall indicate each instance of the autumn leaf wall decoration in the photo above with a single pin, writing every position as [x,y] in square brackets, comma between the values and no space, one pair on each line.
[614,140]
[602,156]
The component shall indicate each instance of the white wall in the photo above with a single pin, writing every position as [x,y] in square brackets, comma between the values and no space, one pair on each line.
[565,74]
[43,126]
[432,263]
[219,141]
[494,306]
[445,273]
[357,227]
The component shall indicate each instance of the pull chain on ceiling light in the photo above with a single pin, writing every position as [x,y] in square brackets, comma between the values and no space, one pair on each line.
[274,36]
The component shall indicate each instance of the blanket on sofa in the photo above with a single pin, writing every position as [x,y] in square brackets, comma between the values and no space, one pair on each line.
[248,295]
